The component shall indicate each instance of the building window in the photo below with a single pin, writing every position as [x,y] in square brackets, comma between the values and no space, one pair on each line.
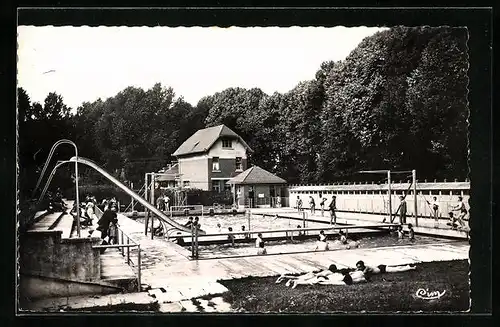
[216,186]
[239,163]
[227,187]
[185,183]
[228,144]
[215,164]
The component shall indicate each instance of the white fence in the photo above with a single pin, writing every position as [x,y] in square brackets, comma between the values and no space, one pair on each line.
[373,198]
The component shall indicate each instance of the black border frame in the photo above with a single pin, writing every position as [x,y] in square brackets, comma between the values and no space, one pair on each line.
[477,20]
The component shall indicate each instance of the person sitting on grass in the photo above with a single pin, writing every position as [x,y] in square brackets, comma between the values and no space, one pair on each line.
[310,275]
[321,244]
[369,271]
[348,278]
[332,276]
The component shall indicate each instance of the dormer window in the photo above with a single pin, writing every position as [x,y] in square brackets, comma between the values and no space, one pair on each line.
[227,144]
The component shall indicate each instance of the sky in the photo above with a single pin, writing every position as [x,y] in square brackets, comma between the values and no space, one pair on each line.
[86,63]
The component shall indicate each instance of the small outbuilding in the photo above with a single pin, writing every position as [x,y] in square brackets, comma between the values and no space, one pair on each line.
[256,187]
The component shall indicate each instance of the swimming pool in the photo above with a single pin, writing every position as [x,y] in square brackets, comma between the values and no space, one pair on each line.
[367,241]
[255,223]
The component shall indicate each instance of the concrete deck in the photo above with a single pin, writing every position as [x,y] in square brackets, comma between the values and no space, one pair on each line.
[425,225]
[174,278]
[167,266]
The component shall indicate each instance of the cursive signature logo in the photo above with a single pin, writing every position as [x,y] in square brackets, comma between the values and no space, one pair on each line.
[426,295]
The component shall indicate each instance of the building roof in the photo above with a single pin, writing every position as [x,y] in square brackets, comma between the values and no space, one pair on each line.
[256,175]
[204,139]
[170,174]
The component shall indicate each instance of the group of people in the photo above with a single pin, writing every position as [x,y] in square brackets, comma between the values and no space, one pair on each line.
[323,245]
[232,237]
[434,205]
[107,203]
[107,225]
[345,276]
[55,201]
[87,210]
[332,207]
[456,220]
[163,202]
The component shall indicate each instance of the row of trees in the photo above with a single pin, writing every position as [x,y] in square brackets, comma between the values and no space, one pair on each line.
[398,101]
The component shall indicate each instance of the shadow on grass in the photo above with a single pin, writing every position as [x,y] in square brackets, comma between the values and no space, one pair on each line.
[385,293]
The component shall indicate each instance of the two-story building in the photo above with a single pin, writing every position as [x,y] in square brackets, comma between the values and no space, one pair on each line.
[210,158]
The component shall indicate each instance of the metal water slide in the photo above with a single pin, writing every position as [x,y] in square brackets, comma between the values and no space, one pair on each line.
[164,218]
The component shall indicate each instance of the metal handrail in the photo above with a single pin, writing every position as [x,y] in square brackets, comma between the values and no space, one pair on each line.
[63,141]
[121,245]
[329,228]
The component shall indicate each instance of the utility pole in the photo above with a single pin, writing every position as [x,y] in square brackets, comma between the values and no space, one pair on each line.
[390,195]
[414,179]
[152,202]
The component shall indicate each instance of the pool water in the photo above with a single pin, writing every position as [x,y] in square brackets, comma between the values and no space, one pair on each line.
[288,246]
[257,222]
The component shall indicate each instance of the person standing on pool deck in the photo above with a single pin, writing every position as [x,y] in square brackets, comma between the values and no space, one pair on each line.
[322,205]
[167,202]
[435,207]
[312,205]
[463,211]
[333,207]
[299,204]
[402,210]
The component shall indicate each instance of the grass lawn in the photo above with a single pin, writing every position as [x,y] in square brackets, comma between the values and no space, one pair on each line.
[387,292]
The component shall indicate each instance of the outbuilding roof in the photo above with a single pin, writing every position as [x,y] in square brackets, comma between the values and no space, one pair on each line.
[256,175]
[170,174]
[204,139]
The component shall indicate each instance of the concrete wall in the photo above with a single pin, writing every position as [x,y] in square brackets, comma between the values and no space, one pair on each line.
[195,170]
[45,254]
[37,287]
[373,198]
